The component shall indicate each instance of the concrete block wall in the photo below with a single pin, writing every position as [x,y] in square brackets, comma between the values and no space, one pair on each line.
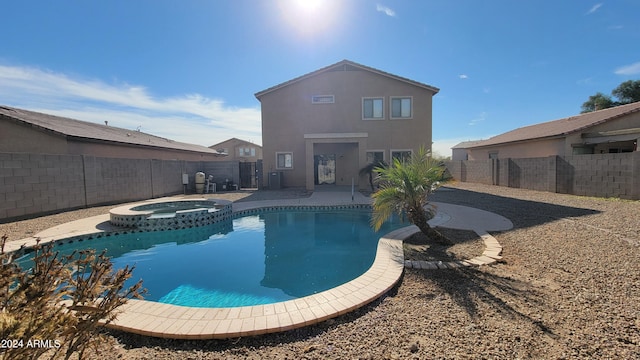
[166,177]
[601,175]
[478,171]
[529,173]
[119,180]
[32,184]
[222,171]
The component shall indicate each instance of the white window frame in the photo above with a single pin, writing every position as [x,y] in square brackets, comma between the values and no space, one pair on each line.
[382,117]
[400,150]
[278,153]
[400,98]
[384,154]
[246,151]
[323,99]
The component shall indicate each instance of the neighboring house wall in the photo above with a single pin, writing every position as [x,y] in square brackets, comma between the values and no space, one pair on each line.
[459,154]
[602,175]
[525,149]
[607,143]
[102,149]
[294,126]
[19,138]
[239,150]
[32,184]
[596,139]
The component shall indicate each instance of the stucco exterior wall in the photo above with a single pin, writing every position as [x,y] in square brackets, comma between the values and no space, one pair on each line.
[26,139]
[22,138]
[288,114]
[133,152]
[233,146]
[528,149]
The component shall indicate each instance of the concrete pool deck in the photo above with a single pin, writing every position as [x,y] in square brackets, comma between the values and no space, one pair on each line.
[180,322]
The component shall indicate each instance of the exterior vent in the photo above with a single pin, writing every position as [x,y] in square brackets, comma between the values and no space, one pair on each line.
[323,99]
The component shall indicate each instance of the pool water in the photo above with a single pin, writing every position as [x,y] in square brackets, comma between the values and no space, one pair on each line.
[258,259]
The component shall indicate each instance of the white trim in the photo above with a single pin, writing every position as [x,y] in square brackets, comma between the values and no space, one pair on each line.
[373,98]
[383,151]
[398,150]
[391,108]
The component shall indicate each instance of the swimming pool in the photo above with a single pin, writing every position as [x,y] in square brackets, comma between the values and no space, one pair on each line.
[266,257]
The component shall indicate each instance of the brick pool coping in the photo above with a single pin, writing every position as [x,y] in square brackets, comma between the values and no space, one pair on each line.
[180,322]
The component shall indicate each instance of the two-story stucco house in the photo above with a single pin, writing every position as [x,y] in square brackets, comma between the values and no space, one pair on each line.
[323,127]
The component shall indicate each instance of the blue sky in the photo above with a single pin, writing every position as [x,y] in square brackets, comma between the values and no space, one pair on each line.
[188,70]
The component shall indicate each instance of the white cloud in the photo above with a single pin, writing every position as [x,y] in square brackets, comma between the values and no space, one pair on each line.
[482,117]
[463,76]
[631,69]
[388,11]
[594,8]
[190,118]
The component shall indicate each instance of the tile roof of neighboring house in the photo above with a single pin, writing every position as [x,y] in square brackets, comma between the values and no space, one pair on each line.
[345,64]
[91,131]
[240,140]
[466,144]
[561,127]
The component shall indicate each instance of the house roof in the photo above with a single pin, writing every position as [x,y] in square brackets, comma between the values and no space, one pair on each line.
[346,65]
[561,127]
[82,130]
[232,139]
[466,144]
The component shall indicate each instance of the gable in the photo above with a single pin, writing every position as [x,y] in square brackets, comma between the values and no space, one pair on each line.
[346,66]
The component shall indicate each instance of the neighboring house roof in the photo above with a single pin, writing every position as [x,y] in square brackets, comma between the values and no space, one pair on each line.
[232,139]
[345,64]
[82,130]
[561,127]
[466,144]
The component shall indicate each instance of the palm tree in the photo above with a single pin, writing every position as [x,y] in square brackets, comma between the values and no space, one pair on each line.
[370,168]
[404,189]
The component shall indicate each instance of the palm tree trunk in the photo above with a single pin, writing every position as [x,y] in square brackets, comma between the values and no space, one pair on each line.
[418,216]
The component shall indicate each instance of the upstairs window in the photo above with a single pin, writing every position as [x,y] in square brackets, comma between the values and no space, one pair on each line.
[401,108]
[323,99]
[373,108]
[247,151]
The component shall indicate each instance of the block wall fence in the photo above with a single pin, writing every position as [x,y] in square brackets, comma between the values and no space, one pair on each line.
[34,184]
[600,175]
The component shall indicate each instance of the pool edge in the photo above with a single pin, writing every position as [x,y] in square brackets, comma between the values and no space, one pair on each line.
[169,321]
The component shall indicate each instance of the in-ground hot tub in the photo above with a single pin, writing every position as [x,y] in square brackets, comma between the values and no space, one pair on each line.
[171,214]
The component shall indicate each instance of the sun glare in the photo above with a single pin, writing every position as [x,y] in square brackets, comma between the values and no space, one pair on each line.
[309,17]
[309,6]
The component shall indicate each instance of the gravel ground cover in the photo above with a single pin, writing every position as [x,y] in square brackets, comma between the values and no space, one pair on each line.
[568,288]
